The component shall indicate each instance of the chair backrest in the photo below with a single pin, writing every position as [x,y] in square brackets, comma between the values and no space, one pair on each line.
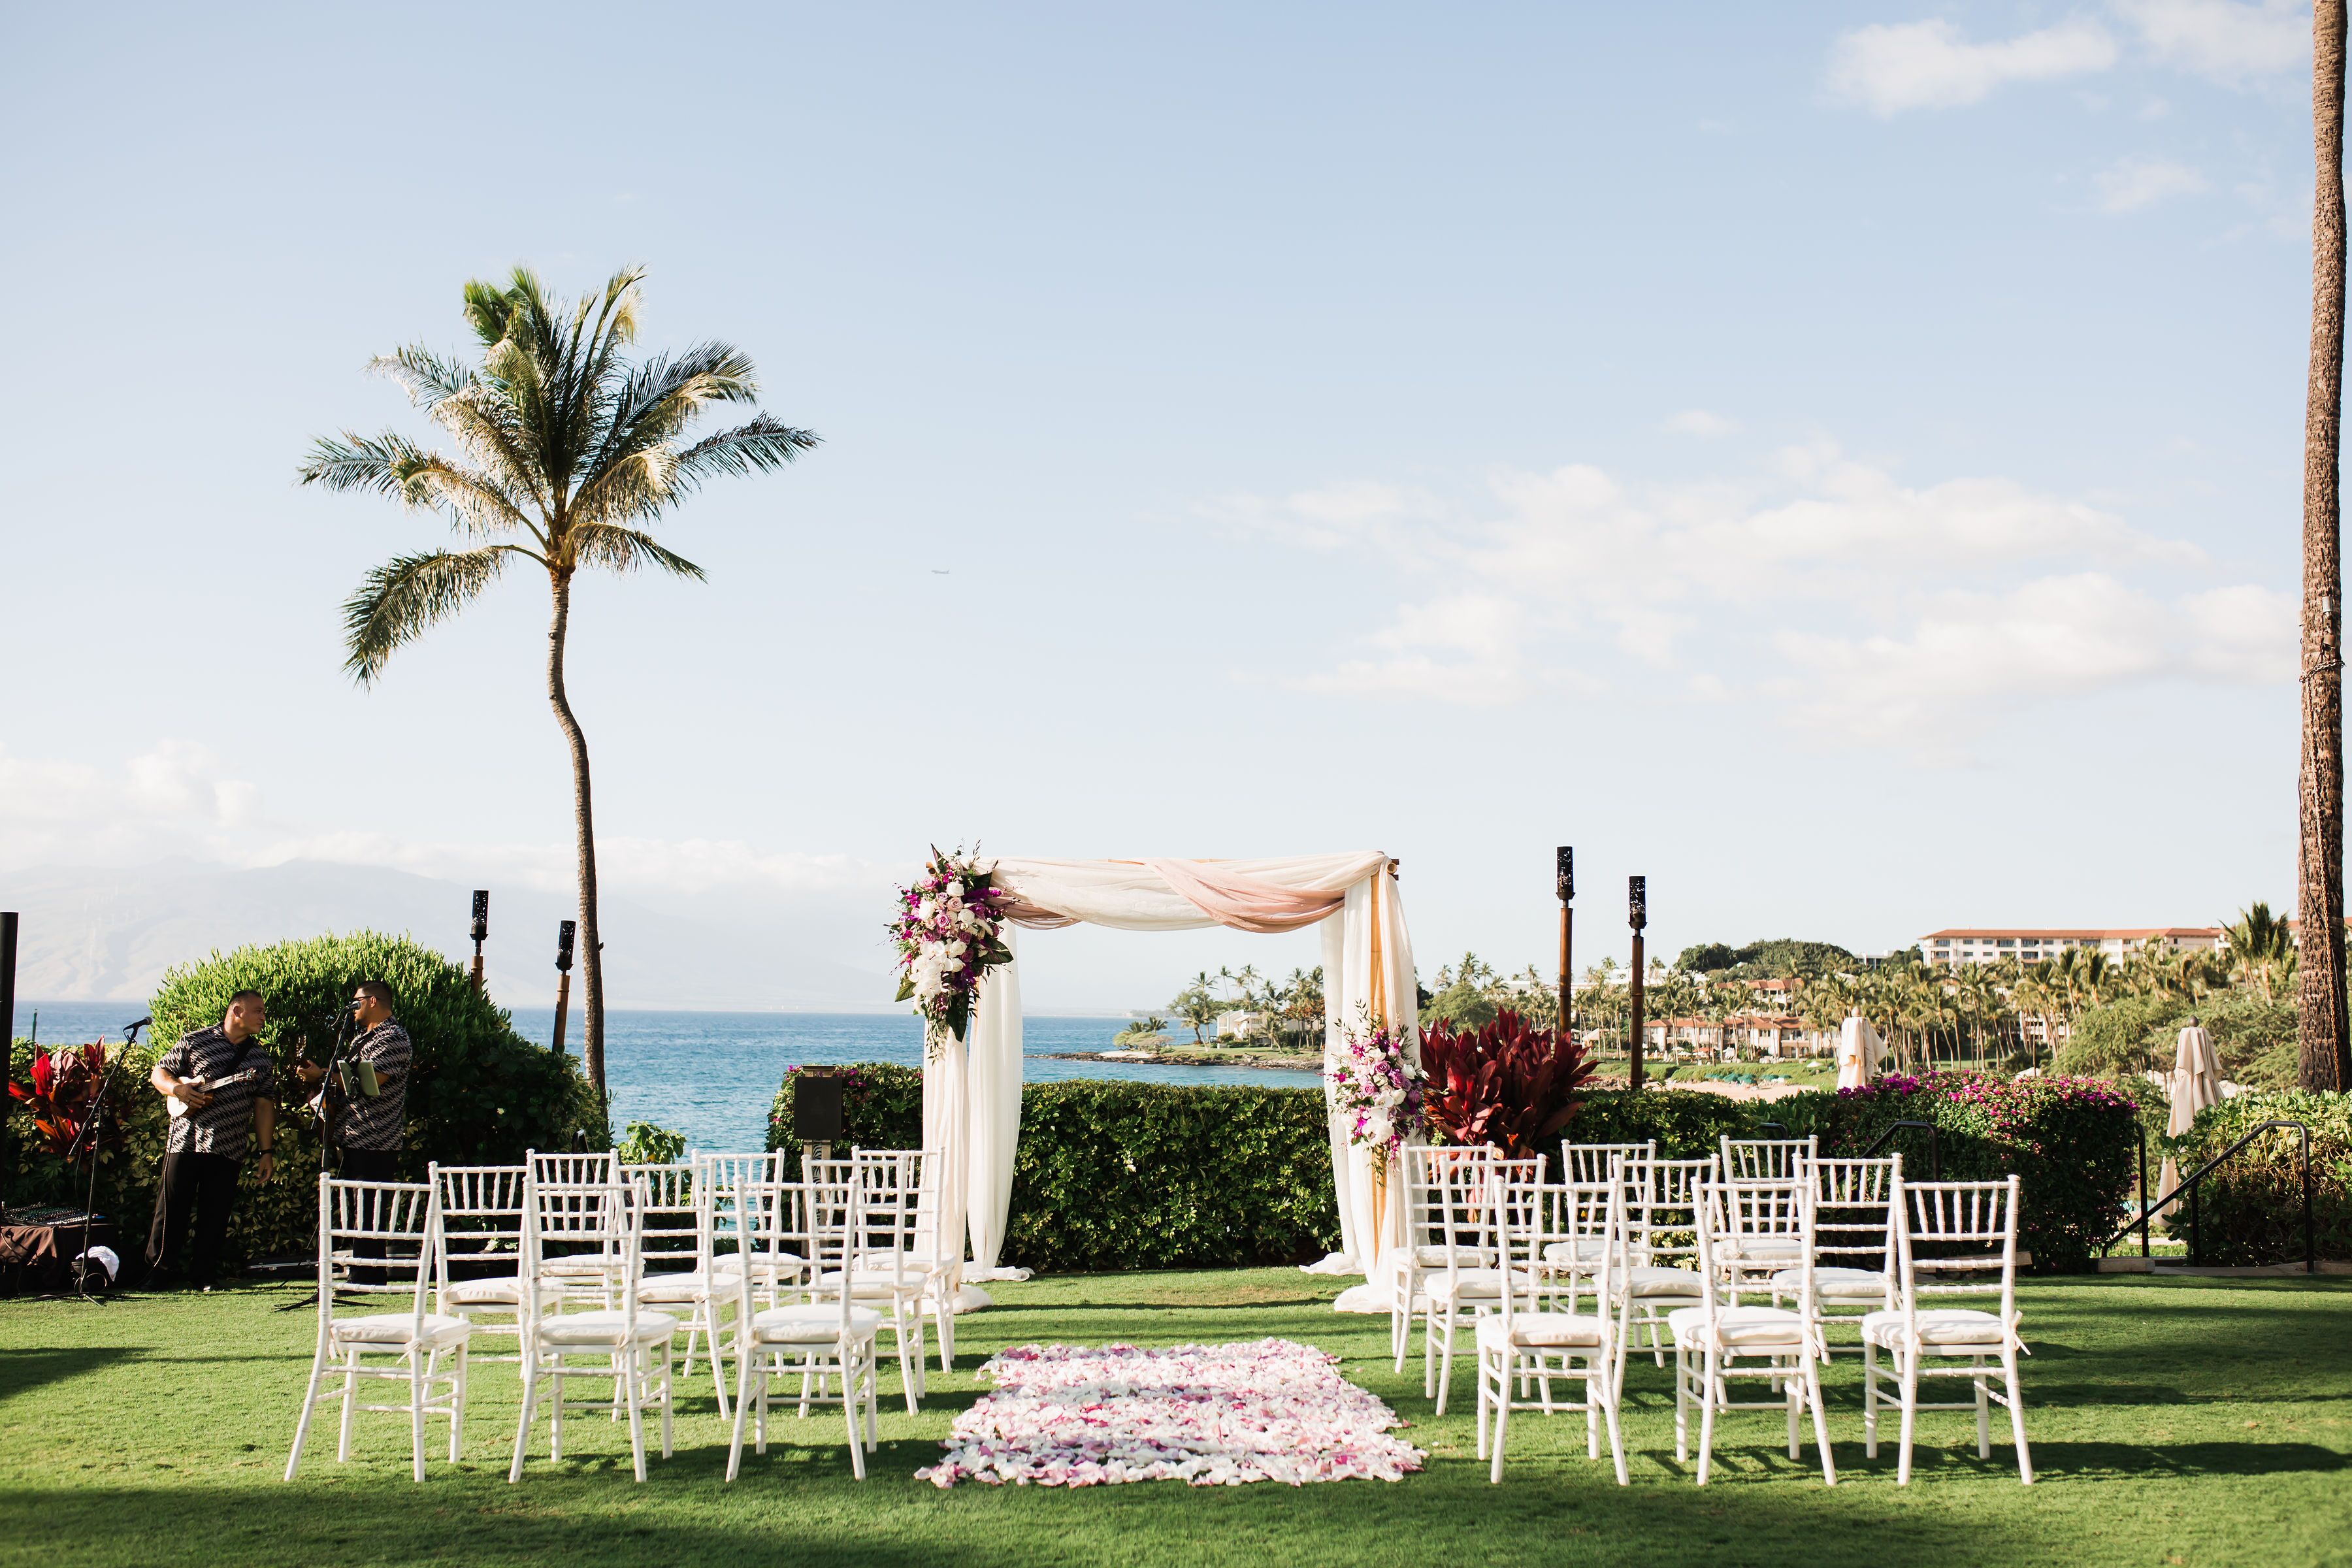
[672,1231]
[898,1208]
[481,1215]
[572,1169]
[1461,1205]
[400,1223]
[1732,1212]
[1853,1210]
[1663,1220]
[1530,1217]
[1971,1228]
[1767,1159]
[1428,1173]
[719,1179]
[570,1228]
[1584,1163]
[820,1214]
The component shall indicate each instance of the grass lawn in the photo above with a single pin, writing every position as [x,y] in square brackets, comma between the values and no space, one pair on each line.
[2173,1421]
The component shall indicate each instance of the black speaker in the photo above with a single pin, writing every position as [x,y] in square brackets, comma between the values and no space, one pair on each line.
[817,1108]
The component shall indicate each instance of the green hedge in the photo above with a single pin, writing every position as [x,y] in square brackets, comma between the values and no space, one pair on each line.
[2251,1210]
[1113,1173]
[482,1093]
[2074,1141]
[1687,1123]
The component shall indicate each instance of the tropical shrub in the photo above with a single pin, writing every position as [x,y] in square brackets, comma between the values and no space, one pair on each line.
[2253,1035]
[2074,1143]
[1501,1083]
[1115,1174]
[2250,1210]
[644,1143]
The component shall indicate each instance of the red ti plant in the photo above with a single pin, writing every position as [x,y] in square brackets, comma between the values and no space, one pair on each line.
[64,1084]
[1506,1084]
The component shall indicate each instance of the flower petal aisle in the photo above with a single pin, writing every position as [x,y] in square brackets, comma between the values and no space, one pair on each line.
[1063,1415]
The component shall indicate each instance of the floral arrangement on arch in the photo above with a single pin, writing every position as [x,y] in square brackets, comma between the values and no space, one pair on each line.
[950,932]
[1376,1087]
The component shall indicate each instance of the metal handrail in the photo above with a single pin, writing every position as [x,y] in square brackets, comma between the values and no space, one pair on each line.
[1935,1150]
[2188,1187]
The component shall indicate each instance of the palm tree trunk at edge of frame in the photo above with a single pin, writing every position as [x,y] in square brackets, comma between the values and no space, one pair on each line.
[2321,1031]
[592,957]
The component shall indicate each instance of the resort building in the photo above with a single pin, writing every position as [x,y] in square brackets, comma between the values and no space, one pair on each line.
[1769,1035]
[1988,944]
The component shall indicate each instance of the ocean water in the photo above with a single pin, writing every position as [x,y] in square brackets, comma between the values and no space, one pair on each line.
[712,1076]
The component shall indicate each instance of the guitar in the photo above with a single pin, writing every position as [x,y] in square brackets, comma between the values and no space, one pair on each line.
[178,1108]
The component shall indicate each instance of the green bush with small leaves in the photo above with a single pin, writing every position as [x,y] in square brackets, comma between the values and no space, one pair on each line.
[2250,1210]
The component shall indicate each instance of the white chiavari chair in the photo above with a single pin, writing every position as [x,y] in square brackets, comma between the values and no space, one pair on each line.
[1853,1240]
[1585,1165]
[1426,1171]
[1472,1280]
[1719,1339]
[828,1340]
[1960,1220]
[573,1265]
[1767,1159]
[677,1268]
[1553,1312]
[1662,1270]
[898,1213]
[481,1240]
[399,1222]
[632,1342]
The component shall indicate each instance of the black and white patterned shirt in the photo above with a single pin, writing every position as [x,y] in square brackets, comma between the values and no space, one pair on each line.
[379,1124]
[223,1126]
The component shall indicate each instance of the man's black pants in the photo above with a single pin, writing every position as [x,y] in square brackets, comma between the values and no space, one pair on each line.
[198,1189]
[368,1165]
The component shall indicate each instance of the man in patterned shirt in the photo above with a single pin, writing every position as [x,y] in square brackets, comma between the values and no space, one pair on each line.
[224,1078]
[369,1139]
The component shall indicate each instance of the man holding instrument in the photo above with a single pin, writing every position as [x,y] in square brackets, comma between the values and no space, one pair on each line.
[375,1087]
[221,1084]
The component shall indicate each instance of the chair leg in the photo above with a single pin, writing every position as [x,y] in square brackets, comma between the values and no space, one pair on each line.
[350,1392]
[529,1409]
[632,1376]
[718,1365]
[1682,1406]
[555,1412]
[1483,1399]
[2017,1415]
[457,1401]
[1869,1400]
[1502,1411]
[1616,1435]
[1445,1362]
[420,1367]
[1984,1408]
[1793,1392]
[850,1412]
[1908,1360]
[309,1405]
[1707,1417]
[745,1354]
[670,1405]
[1813,1374]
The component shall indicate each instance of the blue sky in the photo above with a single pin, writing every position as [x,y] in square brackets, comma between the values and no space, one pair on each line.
[1841,461]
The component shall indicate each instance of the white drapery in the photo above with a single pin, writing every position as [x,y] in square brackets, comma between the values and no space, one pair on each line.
[1367,974]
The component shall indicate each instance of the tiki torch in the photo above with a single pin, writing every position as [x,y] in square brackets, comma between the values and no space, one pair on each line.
[563,934]
[1564,884]
[1637,915]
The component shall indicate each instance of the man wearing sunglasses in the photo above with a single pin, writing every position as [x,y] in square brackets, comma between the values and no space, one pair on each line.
[369,1138]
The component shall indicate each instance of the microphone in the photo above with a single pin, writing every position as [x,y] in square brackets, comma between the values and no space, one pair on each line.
[131,1031]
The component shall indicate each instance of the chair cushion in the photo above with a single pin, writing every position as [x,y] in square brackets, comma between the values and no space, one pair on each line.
[500,1292]
[391,1328]
[728,1263]
[818,1323]
[883,1281]
[1836,1284]
[1540,1331]
[1470,1284]
[1744,1328]
[680,1289]
[1590,1249]
[605,1327]
[1652,1279]
[1942,1327]
[1758,1247]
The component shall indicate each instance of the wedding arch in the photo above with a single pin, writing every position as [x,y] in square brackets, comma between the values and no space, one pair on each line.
[971,1092]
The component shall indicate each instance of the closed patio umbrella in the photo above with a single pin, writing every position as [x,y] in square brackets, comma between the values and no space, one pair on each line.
[2194,1083]
[1859,1052]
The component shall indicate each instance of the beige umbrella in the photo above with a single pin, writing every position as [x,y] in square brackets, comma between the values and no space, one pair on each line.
[2194,1083]
[1859,1052]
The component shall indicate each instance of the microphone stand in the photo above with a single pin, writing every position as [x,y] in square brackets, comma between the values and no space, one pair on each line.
[327,1150]
[92,1128]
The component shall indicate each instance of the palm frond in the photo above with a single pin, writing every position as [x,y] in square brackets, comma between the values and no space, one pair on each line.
[399,600]
[618,548]
[355,462]
[760,446]
[425,376]
[392,465]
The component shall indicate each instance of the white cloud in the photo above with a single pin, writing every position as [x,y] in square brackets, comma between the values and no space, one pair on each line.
[1699,422]
[1888,614]
[2136,183]
[2229,43]
[1888,67]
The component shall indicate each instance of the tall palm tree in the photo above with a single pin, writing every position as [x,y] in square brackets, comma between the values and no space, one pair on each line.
[2325,1057]
[565,451]
[2259,948]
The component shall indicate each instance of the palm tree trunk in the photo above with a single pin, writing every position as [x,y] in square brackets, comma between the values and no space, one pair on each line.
[592,950]
[2323,1053]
